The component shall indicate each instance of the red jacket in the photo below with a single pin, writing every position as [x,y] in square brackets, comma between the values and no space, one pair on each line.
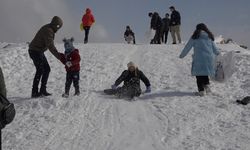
[88,19]
[74,58]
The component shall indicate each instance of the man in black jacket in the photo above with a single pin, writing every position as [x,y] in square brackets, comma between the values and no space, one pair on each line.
[156,24]
[175,23]
[165,28]
[131,79]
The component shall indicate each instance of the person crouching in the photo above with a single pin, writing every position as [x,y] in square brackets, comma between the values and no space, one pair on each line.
[72,65]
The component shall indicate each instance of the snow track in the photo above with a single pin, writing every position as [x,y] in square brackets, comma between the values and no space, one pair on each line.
[170,118]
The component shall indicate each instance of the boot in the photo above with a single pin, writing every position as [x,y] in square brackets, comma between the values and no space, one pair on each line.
[77,92]
[65,95]
[35,93]
[43,92]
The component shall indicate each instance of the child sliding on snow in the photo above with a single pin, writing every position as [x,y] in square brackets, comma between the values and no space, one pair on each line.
[131,79]
[71,60]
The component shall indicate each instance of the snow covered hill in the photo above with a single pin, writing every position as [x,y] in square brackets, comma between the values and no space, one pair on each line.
[170,118]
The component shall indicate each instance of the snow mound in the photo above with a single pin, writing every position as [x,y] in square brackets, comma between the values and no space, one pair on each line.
[170,117]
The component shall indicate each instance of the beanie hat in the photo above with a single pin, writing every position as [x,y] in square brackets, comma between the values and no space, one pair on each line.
[131,64]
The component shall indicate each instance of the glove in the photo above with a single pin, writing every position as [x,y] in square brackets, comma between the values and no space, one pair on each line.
[68,64]
[148,89]
[113,87]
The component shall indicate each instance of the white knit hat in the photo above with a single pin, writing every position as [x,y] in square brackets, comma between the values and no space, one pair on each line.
[131,64]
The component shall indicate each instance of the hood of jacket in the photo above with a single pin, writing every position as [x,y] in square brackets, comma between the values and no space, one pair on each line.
[56,23]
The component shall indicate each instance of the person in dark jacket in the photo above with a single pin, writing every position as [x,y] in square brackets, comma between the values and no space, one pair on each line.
[2,84]
[71,60]
[165,28]
[175,23]
[156,24]
[129,35]
[43,40]
[131,78]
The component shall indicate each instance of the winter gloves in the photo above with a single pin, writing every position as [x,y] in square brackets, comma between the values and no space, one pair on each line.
[148,89]
[68,64]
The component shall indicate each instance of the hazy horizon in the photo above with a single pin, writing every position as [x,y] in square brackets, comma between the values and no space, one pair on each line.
[21,19]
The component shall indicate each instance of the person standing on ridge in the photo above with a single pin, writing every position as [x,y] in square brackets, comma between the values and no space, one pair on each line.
[175,23]
[87,21]
[165,28]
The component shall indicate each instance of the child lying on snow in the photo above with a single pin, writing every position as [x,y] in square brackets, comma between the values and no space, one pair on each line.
[71,60]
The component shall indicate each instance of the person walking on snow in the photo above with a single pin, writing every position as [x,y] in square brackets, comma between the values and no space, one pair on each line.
[2,84]
[71,60]
[205,50]
[165,28]
[43,40]
[131,79]
[175,23]
[129,35]
[87,21]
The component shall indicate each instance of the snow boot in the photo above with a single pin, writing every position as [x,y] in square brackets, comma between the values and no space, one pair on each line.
[77,93]
[35,93]
[207,89]
[65,95]
[43,92]
[200,93]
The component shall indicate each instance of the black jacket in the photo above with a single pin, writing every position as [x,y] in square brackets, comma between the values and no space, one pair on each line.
[175,18]
[126,76]
[130,32]
[165,24]
[156,22]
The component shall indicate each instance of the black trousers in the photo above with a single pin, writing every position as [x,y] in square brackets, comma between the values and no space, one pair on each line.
[72,77]
[202,81]
[165,36]
[42,70]
[86,38]
[157,37]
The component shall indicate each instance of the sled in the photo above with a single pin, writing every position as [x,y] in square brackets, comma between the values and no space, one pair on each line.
[224,67]
[110,91]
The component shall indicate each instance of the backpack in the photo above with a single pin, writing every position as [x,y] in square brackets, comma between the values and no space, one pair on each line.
[7,111]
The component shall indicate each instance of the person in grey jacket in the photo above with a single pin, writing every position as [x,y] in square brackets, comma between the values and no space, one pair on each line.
[2,84]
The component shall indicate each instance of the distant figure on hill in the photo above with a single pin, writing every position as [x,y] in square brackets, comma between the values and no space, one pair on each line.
[87,21]
[165,28]
[205,50]
[175,23]
[43,40]
[156,24]
[129,35]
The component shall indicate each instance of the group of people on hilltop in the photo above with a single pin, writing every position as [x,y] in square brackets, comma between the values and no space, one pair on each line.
[163,26]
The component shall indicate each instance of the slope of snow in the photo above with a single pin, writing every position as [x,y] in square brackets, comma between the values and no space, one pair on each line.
[170,118]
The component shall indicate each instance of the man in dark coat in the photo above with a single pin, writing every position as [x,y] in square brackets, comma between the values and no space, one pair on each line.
[43,40]
[131,79]
[2,84]
[175,23]
[129,35]
[165,28]
[156,24]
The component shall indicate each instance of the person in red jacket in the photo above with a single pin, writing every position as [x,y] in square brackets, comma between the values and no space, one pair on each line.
[87,21]
[71,60]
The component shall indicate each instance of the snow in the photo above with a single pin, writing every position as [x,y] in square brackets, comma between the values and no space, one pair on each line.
[169,118]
